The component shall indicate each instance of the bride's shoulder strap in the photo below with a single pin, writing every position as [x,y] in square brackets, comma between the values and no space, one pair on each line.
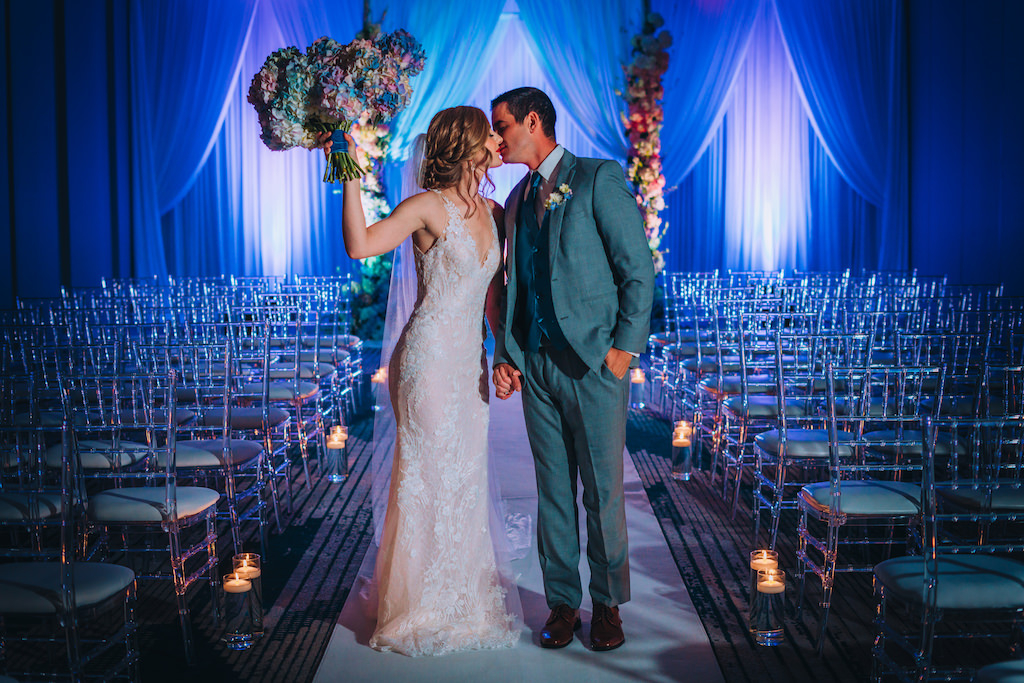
[449,205]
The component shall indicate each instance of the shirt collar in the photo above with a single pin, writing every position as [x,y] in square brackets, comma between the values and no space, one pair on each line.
[547,167]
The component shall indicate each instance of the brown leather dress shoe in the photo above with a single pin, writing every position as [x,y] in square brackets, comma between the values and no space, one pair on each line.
[558,629]
[606,628]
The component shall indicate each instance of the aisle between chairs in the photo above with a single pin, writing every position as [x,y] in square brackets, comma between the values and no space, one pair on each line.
[665,640]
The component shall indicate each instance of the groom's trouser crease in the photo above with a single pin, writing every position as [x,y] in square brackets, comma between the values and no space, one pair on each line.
[587,435]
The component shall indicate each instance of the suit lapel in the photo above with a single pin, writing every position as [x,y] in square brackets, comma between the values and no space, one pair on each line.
[554,216]
[515,200]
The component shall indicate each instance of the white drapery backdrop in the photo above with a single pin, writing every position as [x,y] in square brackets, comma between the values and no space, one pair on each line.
[210,198]
[767,163]
[740,208]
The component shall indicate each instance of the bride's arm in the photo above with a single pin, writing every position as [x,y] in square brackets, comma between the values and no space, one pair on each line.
[384,235]
[494,308]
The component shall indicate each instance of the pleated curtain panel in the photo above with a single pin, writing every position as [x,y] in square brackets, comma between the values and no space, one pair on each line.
[208,197]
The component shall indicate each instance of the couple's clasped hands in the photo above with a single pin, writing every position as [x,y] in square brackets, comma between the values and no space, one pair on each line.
[508,380]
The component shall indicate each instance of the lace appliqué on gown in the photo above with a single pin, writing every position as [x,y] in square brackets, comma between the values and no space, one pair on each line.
[436,575]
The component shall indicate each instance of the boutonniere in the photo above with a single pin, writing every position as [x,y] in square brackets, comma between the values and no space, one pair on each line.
[560,196]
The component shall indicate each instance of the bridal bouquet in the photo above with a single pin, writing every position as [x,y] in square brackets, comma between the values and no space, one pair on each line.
[331,87]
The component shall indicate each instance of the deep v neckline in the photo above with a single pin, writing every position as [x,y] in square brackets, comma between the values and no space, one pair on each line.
[453,214]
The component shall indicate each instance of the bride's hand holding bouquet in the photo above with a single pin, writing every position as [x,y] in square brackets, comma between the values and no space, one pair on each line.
[301,98]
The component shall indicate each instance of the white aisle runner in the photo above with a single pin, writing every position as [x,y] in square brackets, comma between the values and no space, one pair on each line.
[665,640]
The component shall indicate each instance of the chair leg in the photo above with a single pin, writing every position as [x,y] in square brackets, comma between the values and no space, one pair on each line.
[303,443]
[267,479]
[740,447]
[777,497]
[131,641]
[211,552]
[231,494]
[827,580]
[178,575]
[878,647]
[801,557]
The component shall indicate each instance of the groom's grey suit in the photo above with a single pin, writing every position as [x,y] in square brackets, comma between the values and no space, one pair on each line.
[597,282]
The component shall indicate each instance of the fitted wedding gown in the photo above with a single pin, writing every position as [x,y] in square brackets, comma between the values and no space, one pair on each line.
[437,580]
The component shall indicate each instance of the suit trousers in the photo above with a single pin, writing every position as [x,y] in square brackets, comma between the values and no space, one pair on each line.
[576,421]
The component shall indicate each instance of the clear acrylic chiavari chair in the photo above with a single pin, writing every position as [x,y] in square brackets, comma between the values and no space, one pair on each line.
[61,618]
[139,516]
[228,445]
[873,486]
[958,593]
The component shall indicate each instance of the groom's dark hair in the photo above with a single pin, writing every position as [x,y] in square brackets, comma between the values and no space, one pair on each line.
[521,101]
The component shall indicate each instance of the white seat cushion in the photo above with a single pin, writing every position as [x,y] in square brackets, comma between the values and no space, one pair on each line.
[286,370]
[147,503]
[732,384]
[181,416]
[763,406]
[801,443]
[243,418]
[98,455]
[869,498]
[910,440]
[32,587]
[327,356]
[1003,672]
[1005,497]
[965,581]
[282,391]
[210,452]
[18,506]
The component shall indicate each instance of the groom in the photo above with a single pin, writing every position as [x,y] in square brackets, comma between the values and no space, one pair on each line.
[575,315]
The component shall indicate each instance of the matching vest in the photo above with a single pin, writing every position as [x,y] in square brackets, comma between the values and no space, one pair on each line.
[534,313]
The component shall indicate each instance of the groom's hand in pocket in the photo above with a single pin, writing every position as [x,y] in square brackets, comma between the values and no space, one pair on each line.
[618,361]
[506,380]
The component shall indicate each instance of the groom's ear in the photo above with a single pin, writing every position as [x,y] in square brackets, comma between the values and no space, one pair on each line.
[532,121]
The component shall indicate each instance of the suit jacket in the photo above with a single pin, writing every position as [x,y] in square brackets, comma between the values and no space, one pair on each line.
[602,275]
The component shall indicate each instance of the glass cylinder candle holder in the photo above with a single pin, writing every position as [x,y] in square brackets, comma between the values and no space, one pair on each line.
[249,566]
[759,559]
[636,388]
[682,453]
[337,455]
[769,607]
[235,594]
[379,380]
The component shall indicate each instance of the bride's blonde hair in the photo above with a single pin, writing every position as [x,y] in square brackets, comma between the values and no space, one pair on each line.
[455,138]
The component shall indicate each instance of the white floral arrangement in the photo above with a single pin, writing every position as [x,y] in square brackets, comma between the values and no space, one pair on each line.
[560,196]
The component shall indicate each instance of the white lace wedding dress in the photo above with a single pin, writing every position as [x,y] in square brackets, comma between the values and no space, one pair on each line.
[437,580]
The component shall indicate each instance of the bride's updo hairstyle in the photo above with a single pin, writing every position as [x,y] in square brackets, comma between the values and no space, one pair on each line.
[455,139]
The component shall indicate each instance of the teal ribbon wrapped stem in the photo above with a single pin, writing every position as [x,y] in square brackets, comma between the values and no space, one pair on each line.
[341,167]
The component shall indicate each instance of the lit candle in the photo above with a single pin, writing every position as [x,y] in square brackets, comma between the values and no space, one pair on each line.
[249,566]
[380,376]
[636,376]
[236,583]
[771,581]
[764,559]
[337,437]
[247,571]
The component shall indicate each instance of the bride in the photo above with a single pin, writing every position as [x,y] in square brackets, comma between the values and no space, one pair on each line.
[437,578]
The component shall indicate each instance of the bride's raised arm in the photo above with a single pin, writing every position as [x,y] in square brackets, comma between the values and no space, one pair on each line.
[384,235]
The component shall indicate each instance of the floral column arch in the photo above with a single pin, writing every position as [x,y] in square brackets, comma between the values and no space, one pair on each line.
[643,122]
